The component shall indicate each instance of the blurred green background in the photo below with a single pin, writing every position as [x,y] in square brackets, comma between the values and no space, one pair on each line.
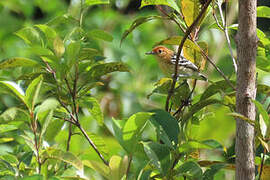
[123,94]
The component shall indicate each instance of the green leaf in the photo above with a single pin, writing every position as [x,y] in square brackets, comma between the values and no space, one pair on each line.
[190,169]
[49,32]
[58,46]
[73,50]
[263,88]
[100,167]
[34,177]
[263,63]
[27,158]
[88,53]
[133,129]
[7,127]
[15,90]
[207,144]
[64,156]
[240,116]
[17,62]
[32,92]
[95,2]
[99,143]
[170,3]
[197,107]
[46,119]
[263,112]
[159,155]
[5,140]
[263,12]
[176,40]
[167,126]
[30,36]
[117,170]
[219,86]
[137,23]
[102,69]
[190,10]
[93,106]
[14,114]
[209,174]
[100,34]
[48,104]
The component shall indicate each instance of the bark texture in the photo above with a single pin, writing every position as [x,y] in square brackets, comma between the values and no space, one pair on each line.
[246,40]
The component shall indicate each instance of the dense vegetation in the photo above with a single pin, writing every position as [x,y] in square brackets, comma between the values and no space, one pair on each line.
[80,100]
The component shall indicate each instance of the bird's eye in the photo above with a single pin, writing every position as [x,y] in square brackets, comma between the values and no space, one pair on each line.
[159,51]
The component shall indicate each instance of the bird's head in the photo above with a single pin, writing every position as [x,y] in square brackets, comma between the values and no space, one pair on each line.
[162,52]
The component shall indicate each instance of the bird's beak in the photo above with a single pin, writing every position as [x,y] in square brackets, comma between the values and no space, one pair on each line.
[150,53]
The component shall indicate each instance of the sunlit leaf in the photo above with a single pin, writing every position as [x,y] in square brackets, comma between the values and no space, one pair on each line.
[49,32]
[176,40]
[5,140]
[17,62]
[93,106]
[7,127]
[73,51]
[264,144]
[133,129]
[15,90]
[263,12]
[159,155]
[95,2]
[30,36]
[170,3]
[100,34]
[32,92]
[137,23]
[193,55]
[58,46]
[64,156]
[117,171]
[99,167]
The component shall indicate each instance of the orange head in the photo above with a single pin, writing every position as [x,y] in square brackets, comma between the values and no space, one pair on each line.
[162,52]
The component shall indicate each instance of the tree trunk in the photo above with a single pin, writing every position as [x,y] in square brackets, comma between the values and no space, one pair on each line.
[246,40]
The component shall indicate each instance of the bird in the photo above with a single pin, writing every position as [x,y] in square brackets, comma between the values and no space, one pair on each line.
[167,58]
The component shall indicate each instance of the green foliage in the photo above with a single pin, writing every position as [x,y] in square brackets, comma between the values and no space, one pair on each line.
[61,85]
[170,3]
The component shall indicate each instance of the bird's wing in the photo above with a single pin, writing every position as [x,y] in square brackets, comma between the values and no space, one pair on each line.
[184,62]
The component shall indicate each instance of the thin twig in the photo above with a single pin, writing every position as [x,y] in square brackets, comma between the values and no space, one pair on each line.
[180,47]
[129,164]
[262,163]
[213,64]
[92,144]
[227,34]
[184,103]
